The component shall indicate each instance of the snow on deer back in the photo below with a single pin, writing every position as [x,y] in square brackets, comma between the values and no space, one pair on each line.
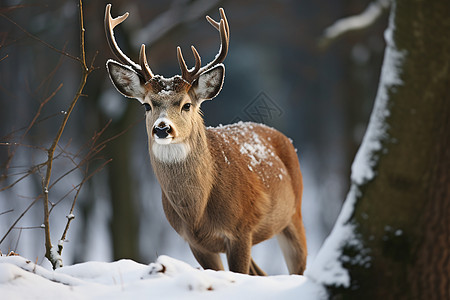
[254,142]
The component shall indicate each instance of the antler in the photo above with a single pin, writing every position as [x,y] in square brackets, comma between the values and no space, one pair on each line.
[110,23]
[224,30]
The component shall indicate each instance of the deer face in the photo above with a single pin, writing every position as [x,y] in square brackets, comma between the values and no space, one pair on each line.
[172,104]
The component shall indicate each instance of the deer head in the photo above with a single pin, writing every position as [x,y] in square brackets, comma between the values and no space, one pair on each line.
[172,104]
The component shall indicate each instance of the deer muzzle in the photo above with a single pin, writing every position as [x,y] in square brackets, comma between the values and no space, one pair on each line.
[162,132]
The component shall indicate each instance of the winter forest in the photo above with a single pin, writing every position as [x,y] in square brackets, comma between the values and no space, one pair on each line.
[361,87]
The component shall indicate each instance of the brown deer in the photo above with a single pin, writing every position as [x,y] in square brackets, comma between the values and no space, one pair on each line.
[224,189]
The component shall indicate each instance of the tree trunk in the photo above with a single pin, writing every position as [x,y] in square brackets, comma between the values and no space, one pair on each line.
[125,212]
[399,247]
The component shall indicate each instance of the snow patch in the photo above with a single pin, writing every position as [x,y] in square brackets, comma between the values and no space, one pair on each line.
[225,157]
[165,93]
[167,278]
[327,267]
[56,258]
[256,151]
[365,160]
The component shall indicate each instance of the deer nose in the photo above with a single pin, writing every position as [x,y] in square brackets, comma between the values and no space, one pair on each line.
[162,130]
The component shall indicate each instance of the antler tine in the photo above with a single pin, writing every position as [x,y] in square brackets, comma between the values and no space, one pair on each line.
[198,60]
[182,63]
[217,24]
[189,75]
[224,18]
[224,31]
[224,40]
[110,23]
[146,71]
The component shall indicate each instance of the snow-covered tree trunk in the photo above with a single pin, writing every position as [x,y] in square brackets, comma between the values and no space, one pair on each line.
[392,239]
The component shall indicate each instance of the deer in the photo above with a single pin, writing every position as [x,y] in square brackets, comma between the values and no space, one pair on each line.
[226,188]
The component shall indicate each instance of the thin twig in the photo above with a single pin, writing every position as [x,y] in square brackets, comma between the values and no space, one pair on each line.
[12,133]
[40,40]
[70,216]
[41,106]
[93,140]
[6,212]
[120,133]
[28,227]
[31,171]
[49,251]
[51,75]
[22,145]
[19,218]
[18,239]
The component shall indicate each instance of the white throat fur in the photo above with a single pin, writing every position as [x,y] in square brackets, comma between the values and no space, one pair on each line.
[170,153]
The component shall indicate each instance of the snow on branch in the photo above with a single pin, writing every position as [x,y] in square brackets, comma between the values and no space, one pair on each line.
[55,258]
[354,23]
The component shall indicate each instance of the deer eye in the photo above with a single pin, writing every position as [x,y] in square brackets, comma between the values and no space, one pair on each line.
[147,107]
[187,107]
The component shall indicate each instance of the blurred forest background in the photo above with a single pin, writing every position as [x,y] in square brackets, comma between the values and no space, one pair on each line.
[275,73]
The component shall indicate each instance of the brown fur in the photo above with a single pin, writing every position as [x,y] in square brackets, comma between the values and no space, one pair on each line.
[215,202]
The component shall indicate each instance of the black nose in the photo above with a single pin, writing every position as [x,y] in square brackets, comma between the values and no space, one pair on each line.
[162,130]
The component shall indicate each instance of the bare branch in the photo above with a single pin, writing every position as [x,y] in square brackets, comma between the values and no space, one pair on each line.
[14,7]
[6,212]
[51,254]
[70,216]
[53,72]
[18,239]
[120,133]
[19,218]
[39,40]
[32,170]
[28,227]
[41,107]
[55,151]
[12,133]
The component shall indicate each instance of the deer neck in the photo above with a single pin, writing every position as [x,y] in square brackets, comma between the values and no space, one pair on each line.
[185,173]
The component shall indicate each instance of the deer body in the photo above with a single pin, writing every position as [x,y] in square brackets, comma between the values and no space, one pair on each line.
[224,189]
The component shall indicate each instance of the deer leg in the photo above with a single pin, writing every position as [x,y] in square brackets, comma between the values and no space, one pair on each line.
[255,269]
[292,242]
[208,260]
[238,255]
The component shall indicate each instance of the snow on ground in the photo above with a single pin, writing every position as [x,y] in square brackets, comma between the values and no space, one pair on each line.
[167,278]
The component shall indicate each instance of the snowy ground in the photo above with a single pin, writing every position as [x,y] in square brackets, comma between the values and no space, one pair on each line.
[167,278]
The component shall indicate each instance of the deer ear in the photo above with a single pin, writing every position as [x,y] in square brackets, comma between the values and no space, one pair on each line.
[126,80]
[209,83]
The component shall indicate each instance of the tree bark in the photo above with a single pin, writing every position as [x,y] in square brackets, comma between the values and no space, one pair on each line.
[125,207]
[401,215]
